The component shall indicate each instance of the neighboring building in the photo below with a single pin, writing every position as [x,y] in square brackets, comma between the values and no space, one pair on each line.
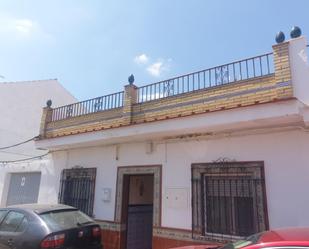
[21,111]
[209,156]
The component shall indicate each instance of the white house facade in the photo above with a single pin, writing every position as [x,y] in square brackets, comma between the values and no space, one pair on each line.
[202,158]
[22,170]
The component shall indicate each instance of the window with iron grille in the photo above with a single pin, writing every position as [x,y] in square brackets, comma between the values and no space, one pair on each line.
[228,199]
[77,188]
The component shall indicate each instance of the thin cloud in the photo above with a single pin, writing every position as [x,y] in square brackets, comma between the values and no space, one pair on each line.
[153,67]
[20,28]
[141,59]
[156,69]
[25,26]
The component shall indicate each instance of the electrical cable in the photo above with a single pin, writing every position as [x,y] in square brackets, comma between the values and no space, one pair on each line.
[25,159]
[14,145]
[15,153]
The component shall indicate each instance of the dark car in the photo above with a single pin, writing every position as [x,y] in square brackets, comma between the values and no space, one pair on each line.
[34,226]
[285,238]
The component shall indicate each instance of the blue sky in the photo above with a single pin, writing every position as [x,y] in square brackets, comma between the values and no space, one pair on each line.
[92,47]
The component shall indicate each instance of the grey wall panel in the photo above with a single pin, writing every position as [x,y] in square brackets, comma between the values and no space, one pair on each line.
[24,188]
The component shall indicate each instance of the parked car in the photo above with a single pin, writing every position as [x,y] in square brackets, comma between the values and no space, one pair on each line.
[34,226]
[289,238]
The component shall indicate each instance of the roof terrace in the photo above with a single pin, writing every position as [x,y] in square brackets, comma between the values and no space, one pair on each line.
[251,81]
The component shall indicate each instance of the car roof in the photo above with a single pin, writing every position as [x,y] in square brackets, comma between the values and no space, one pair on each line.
[286,234]
[42,208]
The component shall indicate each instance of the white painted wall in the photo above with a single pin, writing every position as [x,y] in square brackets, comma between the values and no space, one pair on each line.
[21,106]
[285,155]
[299,68]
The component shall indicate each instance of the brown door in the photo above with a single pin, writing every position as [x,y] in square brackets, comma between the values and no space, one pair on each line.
[138,211]
[124,211]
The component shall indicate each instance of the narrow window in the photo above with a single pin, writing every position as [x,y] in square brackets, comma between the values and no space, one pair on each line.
[77,188]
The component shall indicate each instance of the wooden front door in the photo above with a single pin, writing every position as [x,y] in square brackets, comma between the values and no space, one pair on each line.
[138,211]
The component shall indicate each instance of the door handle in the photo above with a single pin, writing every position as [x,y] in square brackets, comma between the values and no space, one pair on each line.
[10,242]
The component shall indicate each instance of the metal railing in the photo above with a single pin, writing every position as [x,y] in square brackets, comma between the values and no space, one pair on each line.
[98,104]
[239,70]
[224,74]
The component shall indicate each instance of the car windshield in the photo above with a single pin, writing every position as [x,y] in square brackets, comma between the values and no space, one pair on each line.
[253,239]
[65,219]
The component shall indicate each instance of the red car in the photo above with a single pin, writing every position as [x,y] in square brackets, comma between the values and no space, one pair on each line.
[285,238]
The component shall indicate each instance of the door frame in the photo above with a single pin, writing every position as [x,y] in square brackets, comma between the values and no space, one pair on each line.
[123,175]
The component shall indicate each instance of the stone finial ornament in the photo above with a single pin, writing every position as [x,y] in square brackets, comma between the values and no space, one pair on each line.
[49,103]
[280,37]
[295,32]
[131,79]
